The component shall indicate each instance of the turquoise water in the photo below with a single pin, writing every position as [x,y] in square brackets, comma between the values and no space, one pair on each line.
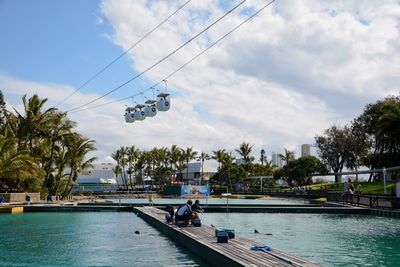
[86,239]
[221,201]
[327,239]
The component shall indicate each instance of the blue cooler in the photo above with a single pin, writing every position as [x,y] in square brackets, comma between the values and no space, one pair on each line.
[230,232]
[196,222]
[219,230]
[222,237]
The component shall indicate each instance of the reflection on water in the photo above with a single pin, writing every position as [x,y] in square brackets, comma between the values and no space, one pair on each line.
[221,201]
[331,240]
[86,239]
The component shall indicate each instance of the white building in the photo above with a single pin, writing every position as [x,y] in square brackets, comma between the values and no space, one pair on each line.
[194,176]
[99,178]
[305,150]
[277,160]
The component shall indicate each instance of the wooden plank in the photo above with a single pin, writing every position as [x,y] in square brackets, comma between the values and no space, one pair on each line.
[202,242]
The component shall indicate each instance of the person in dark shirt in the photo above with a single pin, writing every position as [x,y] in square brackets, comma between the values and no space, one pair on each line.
[196,206]
[170,215]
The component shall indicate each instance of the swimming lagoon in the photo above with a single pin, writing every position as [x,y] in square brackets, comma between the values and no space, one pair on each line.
[109,239]
[327,239]
[86,239]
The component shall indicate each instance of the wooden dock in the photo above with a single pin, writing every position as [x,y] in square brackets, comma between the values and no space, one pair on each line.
[12,210]
[202,242]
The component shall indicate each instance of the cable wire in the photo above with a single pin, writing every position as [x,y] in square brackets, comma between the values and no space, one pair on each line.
[123,54]
[184,65]
[159,61]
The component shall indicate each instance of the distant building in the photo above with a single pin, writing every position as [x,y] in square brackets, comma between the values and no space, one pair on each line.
[240,161]
[277,160]
[305,150]
[99,178]
[194,176]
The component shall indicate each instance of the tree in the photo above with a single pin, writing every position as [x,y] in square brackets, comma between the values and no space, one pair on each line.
[58,128]
[3,111]
[263,156]
[377,123]
[288,157]
[245,152]
[78,148]
[203,157]
[17,166]
[300,171]
[334,148]
[188,155]
[132,155]
[173,156]
[33,124]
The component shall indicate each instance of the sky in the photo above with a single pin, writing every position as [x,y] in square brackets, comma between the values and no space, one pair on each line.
[278,81]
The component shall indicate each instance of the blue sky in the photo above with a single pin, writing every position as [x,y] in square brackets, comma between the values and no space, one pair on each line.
[282,78]
[59,42]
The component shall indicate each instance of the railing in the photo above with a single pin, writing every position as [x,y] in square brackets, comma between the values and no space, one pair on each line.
[371,201]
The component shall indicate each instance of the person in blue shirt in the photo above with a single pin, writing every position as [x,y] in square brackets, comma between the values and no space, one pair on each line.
[185,213]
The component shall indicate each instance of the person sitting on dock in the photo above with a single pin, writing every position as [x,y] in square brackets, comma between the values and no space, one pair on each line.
[196,206]
[185,213]
[169,217]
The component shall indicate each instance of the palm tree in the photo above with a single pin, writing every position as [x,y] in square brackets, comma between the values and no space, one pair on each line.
[263,156]
[78,148]
[188,155]
[219,156]
[180,164]
[288,157]
[59,127]
[33,124]
[124,162]
[132,155]
[203,156]
[245,151]
[227,161]
[173,157]
[16,166]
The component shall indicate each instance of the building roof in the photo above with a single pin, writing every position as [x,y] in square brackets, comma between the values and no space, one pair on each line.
[96,180]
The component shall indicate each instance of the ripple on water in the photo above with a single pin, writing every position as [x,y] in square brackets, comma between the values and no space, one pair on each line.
[86,239]
[328,239]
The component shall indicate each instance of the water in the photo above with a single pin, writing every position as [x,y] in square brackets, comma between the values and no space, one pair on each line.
[331,240]
[86,239]
[222,201]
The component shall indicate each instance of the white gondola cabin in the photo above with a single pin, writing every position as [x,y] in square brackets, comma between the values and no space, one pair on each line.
[163,102]
[130,115]
[140,114]
[150,109]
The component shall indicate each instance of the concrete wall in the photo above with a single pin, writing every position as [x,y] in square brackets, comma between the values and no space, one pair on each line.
[20,197]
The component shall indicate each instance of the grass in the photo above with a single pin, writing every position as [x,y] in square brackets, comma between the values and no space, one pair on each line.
[367,187]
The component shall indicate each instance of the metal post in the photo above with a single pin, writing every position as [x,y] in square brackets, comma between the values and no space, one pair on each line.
[384,180]
[261,179]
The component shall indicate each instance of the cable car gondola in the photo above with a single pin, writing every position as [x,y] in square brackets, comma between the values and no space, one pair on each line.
[150,109]
[140,113]
[130,114]
[163,102]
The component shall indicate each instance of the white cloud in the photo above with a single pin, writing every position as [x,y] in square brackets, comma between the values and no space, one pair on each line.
[291,72]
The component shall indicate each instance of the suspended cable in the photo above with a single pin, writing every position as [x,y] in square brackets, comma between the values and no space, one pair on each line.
[159,61]
[184,65]
[123,54]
